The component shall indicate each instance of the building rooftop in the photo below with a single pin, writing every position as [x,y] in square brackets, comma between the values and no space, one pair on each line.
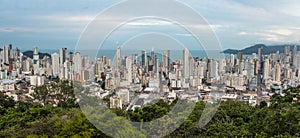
[6,81]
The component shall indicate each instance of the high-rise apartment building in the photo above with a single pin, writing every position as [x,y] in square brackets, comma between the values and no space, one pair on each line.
[186,69]
[55,64]
[63,56]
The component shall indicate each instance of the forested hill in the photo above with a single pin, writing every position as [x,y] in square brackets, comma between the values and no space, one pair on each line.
[232,119]
[30,54]
[265,49]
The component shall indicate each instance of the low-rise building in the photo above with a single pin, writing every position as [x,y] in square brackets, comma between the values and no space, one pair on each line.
[115,102]
[7,85]
[226,97]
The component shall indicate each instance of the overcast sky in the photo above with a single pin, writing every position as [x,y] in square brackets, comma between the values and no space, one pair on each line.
[51,24]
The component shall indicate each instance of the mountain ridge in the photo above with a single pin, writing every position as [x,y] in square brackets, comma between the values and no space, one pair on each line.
[265,49]
[29,54]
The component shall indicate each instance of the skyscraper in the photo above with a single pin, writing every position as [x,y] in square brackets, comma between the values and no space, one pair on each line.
[214,69]
[222,63]
[259,54]
[36,64]
[232,59]
[240,58]
[144,57]
[62,56]
[67,70]
[191,66]
[77,63]
[5,54]
[266,69]
[103,59]
[55,64]
[71,57]
[186,70]
[168,59]
[295,53]
[152,54]
[118,58]
[277,72]
[10,52]
[129,69]
[156,65]
[164,59]
[287,50]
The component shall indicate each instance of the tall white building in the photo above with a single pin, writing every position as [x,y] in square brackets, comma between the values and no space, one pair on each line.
[232,59]
[201,70]
[36,63]
[144,58]
[191,66]
[129,67]
[250,69]
[222,64]
[118,58]
[277,72]
[295,54]
[26,65]
[37,80]
[168,59]
[5,54]
[186,69]
[62,72]
[287,50]
[55,64]
[297,60]
[77,63]
[214,69]
[67,66]
[266,71]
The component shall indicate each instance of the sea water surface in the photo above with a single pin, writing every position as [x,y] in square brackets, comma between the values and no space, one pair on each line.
[174,54]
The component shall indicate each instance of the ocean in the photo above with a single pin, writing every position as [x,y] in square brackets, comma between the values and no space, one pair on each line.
[174,54]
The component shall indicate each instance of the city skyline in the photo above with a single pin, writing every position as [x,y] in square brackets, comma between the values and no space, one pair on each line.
[135,82]
[149,68]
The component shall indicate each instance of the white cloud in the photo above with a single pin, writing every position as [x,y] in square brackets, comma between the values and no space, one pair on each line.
[243,33]
[271,38]
[284,32]
[14,29]
[266,36]
[18,29]
[149,22]
[273,34]
[218,26]
[251,33]
[67,18]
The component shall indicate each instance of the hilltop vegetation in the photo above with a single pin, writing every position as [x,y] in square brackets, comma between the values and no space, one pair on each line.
[266,50]
[232,119]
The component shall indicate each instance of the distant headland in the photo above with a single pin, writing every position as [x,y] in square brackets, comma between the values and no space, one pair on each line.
[265,49]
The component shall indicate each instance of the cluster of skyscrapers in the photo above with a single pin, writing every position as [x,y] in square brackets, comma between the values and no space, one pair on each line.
[155,72]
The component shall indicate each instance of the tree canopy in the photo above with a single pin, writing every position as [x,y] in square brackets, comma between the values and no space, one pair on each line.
[232,119]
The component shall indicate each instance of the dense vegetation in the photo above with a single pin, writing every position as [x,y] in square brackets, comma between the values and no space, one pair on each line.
[232,119]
